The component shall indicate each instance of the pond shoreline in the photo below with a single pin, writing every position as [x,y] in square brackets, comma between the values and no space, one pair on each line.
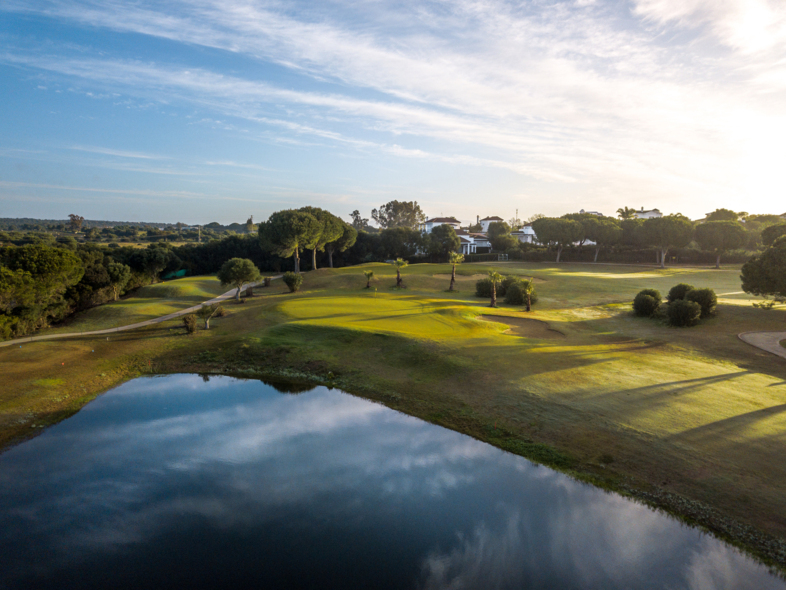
[765,548]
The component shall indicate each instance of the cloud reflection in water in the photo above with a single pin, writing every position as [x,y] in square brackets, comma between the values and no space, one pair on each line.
[175,478]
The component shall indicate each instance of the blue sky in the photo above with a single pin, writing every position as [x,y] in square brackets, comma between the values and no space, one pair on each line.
[207,110]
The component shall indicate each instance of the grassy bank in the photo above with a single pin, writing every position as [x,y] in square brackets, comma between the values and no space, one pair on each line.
[689,419]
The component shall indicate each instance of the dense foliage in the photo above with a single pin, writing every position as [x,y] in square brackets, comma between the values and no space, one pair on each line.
[678,292]
[646,303]
[766,274]
[517,291]
[40,284]
[706,299]
[683,313]
[293,280]
[236,272]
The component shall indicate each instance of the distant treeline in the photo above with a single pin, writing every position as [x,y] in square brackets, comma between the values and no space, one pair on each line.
[47,280]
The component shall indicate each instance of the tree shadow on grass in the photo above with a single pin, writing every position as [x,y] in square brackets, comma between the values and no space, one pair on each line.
[728,427]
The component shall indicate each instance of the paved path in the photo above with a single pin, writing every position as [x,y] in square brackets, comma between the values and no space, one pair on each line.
[769,341]
[229,294]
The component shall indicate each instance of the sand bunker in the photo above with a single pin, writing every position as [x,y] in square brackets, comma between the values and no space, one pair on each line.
[525,327]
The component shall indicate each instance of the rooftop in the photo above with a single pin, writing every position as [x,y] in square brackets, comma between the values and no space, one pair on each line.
[443,220]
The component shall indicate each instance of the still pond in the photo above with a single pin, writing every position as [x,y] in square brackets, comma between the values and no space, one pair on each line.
[180,481]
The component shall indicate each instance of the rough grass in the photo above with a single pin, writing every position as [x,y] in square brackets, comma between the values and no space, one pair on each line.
[627,402]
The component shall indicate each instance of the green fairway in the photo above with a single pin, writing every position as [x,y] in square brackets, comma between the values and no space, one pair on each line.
[144,304]
[629,402]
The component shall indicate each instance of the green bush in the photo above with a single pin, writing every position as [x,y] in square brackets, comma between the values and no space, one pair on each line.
[678,292]
[646,303]
[706,299]
[483,286]
[507,281]
[683,313]
[516,294]
[190,322]
[293,280]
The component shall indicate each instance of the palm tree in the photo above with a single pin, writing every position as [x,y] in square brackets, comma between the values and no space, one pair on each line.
[527,287]
[369,275]
[495,278]
[626,213]
[454,258]
[399,263]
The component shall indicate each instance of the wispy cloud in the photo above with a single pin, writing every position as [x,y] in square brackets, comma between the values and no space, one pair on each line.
[610,99]
[112,152]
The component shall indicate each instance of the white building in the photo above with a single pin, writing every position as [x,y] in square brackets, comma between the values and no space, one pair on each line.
[473,243]
[525,235]
[436,221]
[648,214]
[598,213]
[487,221]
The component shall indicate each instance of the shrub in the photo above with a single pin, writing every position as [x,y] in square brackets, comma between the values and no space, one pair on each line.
[646,303]
[678,292]
[293,280]
[483,288]
[190,322]
[507,281]
[516,294]
[683,313]
[706,299]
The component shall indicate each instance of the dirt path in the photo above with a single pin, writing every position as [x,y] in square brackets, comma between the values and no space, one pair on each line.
[769,341]
[228,295]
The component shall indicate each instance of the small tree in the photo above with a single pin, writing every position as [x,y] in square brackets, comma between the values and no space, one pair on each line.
[119,275]
[236,272]
[626,213]
[75,222]
[443,241]
[293,280]
[369,275]
[720,236]
[190,322]
[495,278]
[454,258]
[399,264]
[206,312]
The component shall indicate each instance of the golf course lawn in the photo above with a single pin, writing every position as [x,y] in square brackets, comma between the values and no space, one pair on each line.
[684,418]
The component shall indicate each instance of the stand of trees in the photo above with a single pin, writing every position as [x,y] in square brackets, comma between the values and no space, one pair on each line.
[41,283]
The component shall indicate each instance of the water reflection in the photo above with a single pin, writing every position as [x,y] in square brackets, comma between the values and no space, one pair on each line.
[226,482]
